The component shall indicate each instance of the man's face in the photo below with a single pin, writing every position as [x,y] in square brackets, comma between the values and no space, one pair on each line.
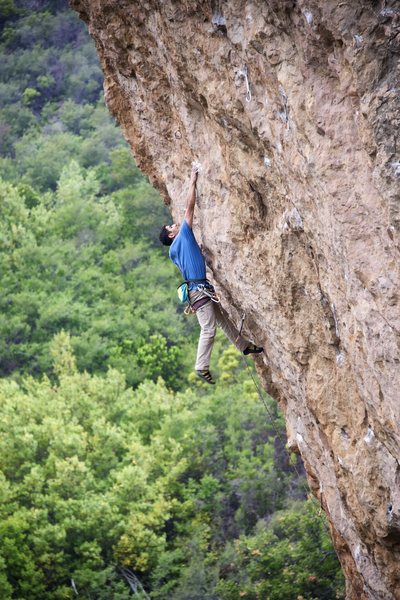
[173,230]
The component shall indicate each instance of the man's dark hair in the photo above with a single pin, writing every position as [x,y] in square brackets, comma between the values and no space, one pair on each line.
[164,236]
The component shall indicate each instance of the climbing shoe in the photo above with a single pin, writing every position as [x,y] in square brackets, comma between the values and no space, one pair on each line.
[252,349]
[206,375]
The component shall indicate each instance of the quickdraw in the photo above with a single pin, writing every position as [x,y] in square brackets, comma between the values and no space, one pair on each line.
[209,291]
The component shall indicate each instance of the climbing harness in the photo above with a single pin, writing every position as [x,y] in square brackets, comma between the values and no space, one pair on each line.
[203,286]
[209,291]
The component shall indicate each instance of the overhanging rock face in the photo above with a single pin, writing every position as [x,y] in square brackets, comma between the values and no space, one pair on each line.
[292,109]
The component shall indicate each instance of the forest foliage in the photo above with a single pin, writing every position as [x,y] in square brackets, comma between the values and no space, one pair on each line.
[114,460]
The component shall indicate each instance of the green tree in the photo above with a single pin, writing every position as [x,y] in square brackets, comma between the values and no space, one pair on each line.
[289,556]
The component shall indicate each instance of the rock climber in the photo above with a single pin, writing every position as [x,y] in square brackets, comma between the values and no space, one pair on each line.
[185,253]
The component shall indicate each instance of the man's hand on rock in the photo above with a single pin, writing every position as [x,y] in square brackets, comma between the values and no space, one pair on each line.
[194,174]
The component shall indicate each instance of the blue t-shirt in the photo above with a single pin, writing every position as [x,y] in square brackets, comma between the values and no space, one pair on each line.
[186,254]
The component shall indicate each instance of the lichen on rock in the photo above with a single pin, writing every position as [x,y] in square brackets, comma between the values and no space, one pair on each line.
[292,109]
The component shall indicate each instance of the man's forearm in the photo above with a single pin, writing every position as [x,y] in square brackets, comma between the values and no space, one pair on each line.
[191,199]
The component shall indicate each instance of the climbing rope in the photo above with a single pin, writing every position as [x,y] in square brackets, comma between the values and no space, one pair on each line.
[266,407]
[304,487]
[258,389]
[240,328]
[271,420]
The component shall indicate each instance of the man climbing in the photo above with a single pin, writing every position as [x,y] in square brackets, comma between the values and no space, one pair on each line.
[186,254]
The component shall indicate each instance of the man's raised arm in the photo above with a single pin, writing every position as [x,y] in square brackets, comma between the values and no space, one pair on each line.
[191,198]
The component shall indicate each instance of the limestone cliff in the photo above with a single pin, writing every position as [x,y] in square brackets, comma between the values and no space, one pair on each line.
[292,109]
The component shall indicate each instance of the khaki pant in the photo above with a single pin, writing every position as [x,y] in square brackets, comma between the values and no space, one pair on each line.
[208,317]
